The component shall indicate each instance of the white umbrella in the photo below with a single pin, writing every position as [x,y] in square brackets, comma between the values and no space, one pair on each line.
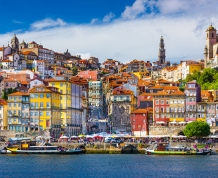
[64,136]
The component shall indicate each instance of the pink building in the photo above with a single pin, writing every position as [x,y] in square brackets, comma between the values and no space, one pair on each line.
[193,95]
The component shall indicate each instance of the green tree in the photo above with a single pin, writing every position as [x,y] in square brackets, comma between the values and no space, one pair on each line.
[207,76]
[197,129]
[7,92]
[75,71]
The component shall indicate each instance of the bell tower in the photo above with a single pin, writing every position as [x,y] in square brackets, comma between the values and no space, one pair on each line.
[211,39]
[15,44]
[161,54]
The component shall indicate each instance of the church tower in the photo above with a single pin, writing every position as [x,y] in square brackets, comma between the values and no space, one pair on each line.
[161,54]
[15,44]
[22,45]
[211,39]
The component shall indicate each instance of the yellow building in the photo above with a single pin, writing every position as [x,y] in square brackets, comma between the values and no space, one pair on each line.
[177,106]
[65,99]
[18,112]
[141,75]
[195,67]
[45,109]
[201,111]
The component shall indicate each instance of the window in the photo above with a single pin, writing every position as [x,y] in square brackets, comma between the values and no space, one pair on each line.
[47,105]
[36,113]
[162,101]
[41,95]
[47,113]
[36,95]
[157,101]
[48,95]
[41,104]
[15,105]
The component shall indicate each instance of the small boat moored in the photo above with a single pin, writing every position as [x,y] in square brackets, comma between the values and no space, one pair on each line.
[167,149]
[30,147]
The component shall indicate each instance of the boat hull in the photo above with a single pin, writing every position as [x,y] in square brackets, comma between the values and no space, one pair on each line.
[152,152]
[62,152]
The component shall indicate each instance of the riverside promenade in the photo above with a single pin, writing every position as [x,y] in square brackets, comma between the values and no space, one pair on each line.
[107,148]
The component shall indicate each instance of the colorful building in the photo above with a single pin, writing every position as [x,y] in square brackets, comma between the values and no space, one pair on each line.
[18,112]
[45,109]
[3,115]
[140,122]
[193,95]
[64,88]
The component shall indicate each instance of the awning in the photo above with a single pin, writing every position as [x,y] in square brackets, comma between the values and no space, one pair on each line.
[182,122]
[160,122]
[173,122]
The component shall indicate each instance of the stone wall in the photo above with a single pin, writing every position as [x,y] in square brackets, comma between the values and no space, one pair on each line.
[165,130]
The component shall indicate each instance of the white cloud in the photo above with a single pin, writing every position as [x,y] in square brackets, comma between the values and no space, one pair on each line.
[183,29]
[47,23]
[108,17]
[84,55]
[95,20]
[131,12]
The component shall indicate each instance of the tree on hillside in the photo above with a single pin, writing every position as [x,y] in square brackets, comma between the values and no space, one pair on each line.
[194,76]
[197,129]
[207,76]
[75,71]
[7,92]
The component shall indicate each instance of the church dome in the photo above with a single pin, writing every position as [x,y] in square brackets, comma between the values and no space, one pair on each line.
[210,28]
[23,43]
[14,38]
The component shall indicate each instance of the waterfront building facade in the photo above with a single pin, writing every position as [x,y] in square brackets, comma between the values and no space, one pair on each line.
[161,105]
[77,123]
[3,114]
[193,95]
[45,112]
[18,112]
[122,103]
[64,87]
[140,122]
[177,106]
[95,99]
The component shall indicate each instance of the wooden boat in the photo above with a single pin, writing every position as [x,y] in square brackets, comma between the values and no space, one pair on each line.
[166,149]
[29,147]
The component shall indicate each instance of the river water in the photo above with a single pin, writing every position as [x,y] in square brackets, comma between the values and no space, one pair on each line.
[107,165]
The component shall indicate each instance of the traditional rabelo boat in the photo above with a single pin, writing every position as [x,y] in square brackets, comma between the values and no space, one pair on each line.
[30,147]
[167,149]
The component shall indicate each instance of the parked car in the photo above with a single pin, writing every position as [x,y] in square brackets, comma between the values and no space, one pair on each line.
[107,140]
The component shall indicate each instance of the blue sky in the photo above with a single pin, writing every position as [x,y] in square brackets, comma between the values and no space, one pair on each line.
[119,29]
